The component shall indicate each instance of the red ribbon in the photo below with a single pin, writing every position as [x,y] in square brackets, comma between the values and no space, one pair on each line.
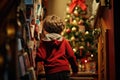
[80,3]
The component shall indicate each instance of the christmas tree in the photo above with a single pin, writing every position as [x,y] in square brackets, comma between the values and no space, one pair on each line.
[81,35]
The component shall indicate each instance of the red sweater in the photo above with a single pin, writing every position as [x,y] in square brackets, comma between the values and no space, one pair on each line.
[57,56]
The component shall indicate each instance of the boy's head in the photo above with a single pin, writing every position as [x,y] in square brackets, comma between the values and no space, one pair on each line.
[53,24]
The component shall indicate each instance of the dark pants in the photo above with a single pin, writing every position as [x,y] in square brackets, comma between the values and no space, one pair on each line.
[64,75]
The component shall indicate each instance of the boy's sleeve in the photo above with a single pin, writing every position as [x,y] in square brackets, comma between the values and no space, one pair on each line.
[71,57]
[40,54]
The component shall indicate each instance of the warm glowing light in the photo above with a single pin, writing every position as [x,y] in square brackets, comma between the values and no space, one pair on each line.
[92,55]
[85,61]
[74,49]
[1,60]
[10,30]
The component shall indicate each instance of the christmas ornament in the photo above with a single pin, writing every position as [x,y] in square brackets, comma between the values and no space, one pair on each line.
[68,30]
[81,47]
[72,38]
[74,22]
[66,20]
[76,8]
[80,3]
[87,32]
[74,29]
[68,16]
[74,49]
[75,13]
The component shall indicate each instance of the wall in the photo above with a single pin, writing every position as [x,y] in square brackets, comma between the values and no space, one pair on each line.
[57,7]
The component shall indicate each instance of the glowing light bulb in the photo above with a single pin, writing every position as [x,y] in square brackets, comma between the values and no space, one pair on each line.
[85,61]
[92,55]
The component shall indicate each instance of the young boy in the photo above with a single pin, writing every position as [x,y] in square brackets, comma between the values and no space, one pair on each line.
[55,51]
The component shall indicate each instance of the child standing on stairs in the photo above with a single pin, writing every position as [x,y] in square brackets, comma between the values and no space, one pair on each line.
[55,51]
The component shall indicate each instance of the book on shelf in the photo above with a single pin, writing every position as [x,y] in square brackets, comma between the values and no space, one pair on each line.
[31,73]
[26,60]
[21,65]
[32,57]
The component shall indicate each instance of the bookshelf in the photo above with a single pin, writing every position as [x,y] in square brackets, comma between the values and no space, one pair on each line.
[30,14]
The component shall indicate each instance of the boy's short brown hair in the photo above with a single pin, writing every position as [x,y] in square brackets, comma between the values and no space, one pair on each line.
[53,24]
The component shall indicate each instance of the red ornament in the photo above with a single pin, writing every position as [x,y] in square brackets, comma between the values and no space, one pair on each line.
[68,30]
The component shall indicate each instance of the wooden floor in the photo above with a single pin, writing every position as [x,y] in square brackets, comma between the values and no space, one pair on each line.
[79,76]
